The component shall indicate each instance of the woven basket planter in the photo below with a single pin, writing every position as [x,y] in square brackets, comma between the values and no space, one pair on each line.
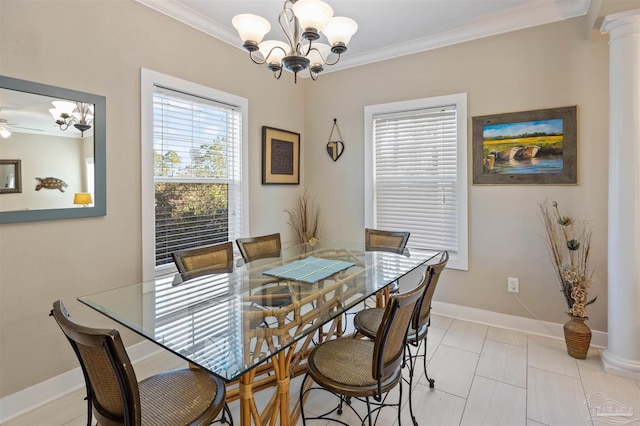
[577,336]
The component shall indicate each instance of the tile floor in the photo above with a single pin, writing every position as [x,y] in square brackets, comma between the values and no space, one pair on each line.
[484,376]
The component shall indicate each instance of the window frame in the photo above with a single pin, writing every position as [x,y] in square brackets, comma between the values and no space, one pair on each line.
[148,80]
[460,260]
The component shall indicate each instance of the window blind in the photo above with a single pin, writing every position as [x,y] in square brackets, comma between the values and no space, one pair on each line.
[415,175]
[197,172]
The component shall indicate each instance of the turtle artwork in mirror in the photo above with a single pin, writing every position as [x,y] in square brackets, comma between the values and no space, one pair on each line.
[52,147]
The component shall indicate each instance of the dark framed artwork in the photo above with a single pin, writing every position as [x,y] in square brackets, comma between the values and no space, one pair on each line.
[528,147]
[280,156]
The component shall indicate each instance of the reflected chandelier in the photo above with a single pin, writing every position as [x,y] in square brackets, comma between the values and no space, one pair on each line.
[77,113]
[301,21]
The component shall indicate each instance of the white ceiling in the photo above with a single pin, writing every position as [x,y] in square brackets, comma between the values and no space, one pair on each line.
[386,28]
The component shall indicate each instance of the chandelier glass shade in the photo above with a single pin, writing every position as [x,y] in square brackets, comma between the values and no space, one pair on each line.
[77,113]
[4,132]
[303,22]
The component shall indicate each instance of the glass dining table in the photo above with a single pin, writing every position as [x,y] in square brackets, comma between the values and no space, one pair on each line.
[254,326]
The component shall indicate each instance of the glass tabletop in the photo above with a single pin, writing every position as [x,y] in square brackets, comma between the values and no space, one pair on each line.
[231,322]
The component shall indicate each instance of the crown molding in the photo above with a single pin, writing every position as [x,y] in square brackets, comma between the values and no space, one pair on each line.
[516,19]
[194,19]
[527,16]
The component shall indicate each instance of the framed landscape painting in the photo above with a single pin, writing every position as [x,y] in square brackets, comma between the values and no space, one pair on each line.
[529,147]
[280,156]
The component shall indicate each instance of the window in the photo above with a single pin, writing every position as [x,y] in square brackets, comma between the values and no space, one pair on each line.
[416,172]
[193,154]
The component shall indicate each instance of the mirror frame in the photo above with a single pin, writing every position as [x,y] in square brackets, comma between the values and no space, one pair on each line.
[99,154]
[17,187]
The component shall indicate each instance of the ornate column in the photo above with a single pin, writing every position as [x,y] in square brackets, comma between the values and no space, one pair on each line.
[622,355]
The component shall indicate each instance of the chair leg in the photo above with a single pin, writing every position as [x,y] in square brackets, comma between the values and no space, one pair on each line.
[412,364]
[369,411]
[301,397]
[89,412]
[432,383]
[226,411]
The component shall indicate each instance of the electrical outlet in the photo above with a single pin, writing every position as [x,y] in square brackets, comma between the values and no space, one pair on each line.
[513,285]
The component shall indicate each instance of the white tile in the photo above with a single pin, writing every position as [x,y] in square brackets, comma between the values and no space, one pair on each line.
[434,407]
[453,370]
[495,403]
[476,368]
[510,337]
[555,399]
[58,412]
[602,388]
[551,355]
[434,338]
[440,322]
[465,335]
[503,362]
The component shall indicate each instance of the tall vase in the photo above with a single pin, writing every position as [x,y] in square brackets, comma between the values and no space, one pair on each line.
[577,336]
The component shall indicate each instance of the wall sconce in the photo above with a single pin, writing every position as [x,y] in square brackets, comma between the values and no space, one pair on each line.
[83,198]
[77,113]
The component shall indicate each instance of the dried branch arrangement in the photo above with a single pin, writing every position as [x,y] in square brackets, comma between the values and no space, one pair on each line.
[304,218]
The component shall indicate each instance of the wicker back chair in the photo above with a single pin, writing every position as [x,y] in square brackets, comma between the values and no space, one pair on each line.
[368,321]
[391,241]
[363,368]
[181,397]
[261,247]
[272,292]
[212,259]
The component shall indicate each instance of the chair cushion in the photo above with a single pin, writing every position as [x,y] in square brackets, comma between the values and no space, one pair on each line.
[367,321]
[176,397]
[344,366]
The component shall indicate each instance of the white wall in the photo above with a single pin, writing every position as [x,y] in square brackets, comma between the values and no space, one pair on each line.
[543,67]
[111,41]
[43,156]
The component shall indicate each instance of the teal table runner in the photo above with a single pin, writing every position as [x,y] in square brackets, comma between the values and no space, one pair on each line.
[309,270]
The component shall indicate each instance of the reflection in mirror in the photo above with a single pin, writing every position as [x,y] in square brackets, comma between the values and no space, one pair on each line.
[10,177]
[58,135]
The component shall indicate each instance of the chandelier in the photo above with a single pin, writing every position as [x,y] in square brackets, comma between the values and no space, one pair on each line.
[301,21]
[77,113]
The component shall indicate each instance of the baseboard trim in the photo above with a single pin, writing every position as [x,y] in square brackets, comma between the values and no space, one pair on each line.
[511,322]
[28,399]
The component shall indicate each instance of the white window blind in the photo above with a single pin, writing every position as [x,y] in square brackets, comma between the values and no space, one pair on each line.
[417,175]
[197,172]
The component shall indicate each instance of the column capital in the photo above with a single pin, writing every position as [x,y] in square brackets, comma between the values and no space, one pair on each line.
[629,19]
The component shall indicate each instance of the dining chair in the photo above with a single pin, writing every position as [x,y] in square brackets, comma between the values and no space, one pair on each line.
[274,293]
[211,259]
[362,368]
[391,241]
[190,396]
[367,322]
[253,248]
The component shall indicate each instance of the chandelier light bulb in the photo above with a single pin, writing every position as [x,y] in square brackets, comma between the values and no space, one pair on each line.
[64,107]
[273,51]
[312,15]
[339,31]
[318,54]
[252,29]
[4,132]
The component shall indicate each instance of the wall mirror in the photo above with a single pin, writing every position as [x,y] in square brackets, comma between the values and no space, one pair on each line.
[52,152]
